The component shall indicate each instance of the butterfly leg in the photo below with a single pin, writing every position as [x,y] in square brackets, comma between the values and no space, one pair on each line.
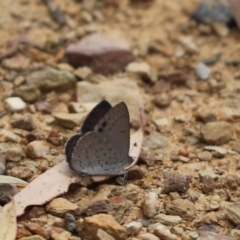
[122,180]
[125,176]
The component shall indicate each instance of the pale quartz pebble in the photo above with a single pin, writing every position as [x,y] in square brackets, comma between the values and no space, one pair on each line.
[15,153]
[202,71]
[143,69]
[214,203]
[161,122]
[164,233]
[2,164]
[133,228]
[10,136]
[15,104]
[222,151]
[37,149]
[193,235]
[168,220]
[150,205]
[147,236]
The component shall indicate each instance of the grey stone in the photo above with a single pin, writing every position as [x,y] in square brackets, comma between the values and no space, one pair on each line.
[15,153]
[29,94]
[181,207]
[155,140]
[69,120]
[49,79]
[167,220]
[217,132]
[233,213]
[23,122]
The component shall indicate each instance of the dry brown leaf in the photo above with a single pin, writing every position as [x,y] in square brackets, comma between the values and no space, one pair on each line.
[8,222]
[56,180]
[48,185]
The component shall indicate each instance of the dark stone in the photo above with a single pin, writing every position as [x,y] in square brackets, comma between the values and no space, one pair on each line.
[24,122]
[176,183]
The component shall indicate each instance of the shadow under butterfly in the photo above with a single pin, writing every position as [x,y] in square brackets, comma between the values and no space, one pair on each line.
[102,149]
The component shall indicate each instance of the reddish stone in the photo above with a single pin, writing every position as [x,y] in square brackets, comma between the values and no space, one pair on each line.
[53,134]
[103,54]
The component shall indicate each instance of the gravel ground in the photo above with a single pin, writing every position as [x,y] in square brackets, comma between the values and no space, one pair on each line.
[58,63]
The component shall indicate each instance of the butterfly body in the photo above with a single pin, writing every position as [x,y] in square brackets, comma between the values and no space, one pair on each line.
[104,150]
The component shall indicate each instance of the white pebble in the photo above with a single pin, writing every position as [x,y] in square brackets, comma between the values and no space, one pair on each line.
[203,71]
[133,228]
[150,205]
[15,104]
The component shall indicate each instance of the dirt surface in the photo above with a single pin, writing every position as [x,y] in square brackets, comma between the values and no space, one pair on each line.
[187,180]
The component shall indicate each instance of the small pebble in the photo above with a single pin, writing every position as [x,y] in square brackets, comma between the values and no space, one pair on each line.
[2,164]
[176,183]
[70,223]
[15,104]
[162,100]
[150,205]
[193,235]
[217,133]
[43,107]
[205,156]
[133,228]
[37,149]
[83,72]
[143,69]
[167,220]
[10,136]
[202,71]
[220,150]
[15,153]
[23,122]
[21,172]
[147,236]
[214,203]
[164,233]
[177,230]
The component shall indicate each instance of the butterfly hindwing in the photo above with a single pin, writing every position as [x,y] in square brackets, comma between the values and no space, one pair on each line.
[95,155]
[70,145]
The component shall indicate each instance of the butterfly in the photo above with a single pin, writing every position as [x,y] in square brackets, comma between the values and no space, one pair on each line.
[102,147]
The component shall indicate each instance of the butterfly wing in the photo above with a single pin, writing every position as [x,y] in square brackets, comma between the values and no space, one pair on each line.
[94,154]
[94,116]
[104,151]
[115,126]
[70,145]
